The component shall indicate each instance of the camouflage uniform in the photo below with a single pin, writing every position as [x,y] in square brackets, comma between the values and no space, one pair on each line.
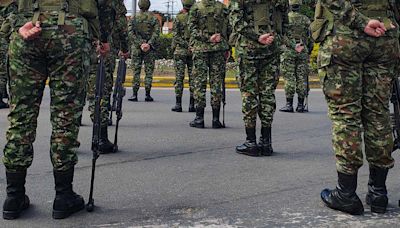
[6,8]
[356,72]
[182,56]
[143,28]
[259,65]
[208,17]
[294,65]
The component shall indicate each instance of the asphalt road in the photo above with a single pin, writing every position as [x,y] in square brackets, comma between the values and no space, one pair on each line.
[170,175]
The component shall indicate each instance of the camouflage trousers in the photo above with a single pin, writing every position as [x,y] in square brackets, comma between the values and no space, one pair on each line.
[294,68]
[62,59]
[3,68]
[149,63]
[107,89]
[258,81]
[212,65]
[357,76]
[181,62]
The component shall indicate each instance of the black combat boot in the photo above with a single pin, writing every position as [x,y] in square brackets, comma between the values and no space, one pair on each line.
[249,147]
[198,122]
[3,105]
[148,97]
[300,105]
[265,143]
[16,200]
[344,197]
[377,193]
[67,201]
[191,104]
[215,121]
[105,146]
[178,105]
[289,106]
[133,97]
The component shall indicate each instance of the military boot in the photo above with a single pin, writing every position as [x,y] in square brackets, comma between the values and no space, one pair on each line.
[105,146]
[265,143]
[249,147]
[148,97]
[344,197]
[377,193]
[66,201]
[3,105]
[133,97]
[198,122]
[300,105]
[215,121]
[16,200]
[191,104]
[178,105]
[289,106]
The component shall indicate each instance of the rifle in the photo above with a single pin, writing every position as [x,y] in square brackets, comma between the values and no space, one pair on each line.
[100,77]
[223,101]
[307,93]
[395,116]
[118,95]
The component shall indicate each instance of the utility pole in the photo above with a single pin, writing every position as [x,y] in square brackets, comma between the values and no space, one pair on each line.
[134,4]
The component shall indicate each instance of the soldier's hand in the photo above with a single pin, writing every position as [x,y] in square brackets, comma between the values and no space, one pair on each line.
[30,31]
[216,38]
[123,54]
[145,47]
[266,39]
[103,49]
[299,48]
[375,28]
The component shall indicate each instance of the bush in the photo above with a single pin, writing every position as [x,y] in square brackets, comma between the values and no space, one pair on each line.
[164,50]
[313,57]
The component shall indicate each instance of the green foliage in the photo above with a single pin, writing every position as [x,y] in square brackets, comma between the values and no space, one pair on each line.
[164,50]
[308,8]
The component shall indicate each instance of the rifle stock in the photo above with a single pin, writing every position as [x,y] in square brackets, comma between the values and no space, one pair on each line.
[395,116]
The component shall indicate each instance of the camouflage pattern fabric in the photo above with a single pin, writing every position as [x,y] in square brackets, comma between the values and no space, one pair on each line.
[182,54]
[258,64]
[143,28]
[5,11]
[60,57]
[181,62]
[356,72]
[294,65]
[211,66]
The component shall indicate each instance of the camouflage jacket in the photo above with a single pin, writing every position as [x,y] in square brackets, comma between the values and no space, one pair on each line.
[181,34]
[143,28]
[299,31]
[6,9]
[120,28]
[248,21]
[206,18]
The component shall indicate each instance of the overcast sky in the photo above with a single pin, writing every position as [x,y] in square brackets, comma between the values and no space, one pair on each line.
[159,5]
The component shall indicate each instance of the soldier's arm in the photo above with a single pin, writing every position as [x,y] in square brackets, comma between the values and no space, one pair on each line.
[346,14]
[175,34]
[156,33]
[238,24]
[6,30]
[122,27]
[195,32]
[135,38]
[106,19]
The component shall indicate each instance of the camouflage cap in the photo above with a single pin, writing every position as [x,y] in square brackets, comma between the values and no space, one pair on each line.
[144,4]
[295,2]
[187,3]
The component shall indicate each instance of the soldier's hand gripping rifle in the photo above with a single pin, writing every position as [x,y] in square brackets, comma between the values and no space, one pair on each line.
[118,96]
[100,77]
[395,116]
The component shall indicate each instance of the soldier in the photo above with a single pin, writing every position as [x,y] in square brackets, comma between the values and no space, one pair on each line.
[258,42]
[118,38]
[48,42]
[208,25]
[182,55]
[6,8]
[143,32]
[357,64]
[294,60]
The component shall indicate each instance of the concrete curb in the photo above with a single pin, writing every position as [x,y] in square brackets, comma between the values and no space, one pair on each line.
[231,83]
